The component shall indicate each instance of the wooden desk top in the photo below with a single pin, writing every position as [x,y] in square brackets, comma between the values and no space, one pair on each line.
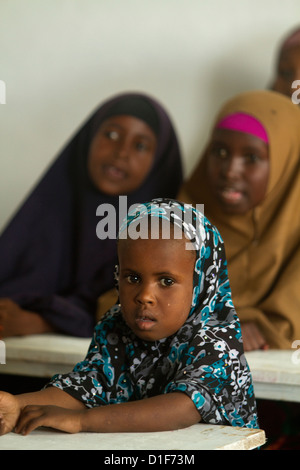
[196,437]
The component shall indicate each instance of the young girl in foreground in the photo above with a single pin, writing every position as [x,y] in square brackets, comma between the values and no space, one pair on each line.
[169,355]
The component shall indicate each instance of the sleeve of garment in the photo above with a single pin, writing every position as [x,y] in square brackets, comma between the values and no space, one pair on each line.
[99,379]
[218,380]
[69,315]
[71,311]
[76,312]
[84,382]
[37,274]
[278,315]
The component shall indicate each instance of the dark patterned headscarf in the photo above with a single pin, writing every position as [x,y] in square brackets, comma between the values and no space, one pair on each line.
[203,359]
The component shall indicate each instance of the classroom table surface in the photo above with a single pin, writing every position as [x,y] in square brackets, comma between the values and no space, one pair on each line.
[276,373]
[47,354]
[196,437]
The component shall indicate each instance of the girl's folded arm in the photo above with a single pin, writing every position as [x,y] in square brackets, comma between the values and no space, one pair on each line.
[160,413]
[50,396]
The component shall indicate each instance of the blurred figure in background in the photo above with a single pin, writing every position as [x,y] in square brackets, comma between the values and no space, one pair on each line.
[288,66]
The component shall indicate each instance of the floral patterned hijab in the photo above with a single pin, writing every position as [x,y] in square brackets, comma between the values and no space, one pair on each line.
[203,359]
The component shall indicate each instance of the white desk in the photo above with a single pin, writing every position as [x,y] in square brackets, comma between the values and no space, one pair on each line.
[275,374]
[46,355]
[43,355]
[196,437]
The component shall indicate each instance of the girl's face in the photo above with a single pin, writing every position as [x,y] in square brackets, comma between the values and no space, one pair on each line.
[155,285]
[288,70]
[121,155]
[238,170]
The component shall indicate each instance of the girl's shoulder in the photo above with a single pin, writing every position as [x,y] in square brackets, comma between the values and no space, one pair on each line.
[109,323]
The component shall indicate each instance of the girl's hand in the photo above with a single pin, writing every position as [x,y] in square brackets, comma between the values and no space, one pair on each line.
[9,412]
[15,321]
[33,416]
[252,337]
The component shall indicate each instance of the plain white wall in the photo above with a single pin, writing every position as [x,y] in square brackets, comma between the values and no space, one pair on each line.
[60,58]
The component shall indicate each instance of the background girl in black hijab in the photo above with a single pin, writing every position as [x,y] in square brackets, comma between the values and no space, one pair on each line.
[53,267]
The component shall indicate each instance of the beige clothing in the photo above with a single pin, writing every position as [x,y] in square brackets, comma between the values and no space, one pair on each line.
[263,245]
[105,302]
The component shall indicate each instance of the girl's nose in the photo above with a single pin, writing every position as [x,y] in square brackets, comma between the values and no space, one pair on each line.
[232,168]
[123,150]
[145,295]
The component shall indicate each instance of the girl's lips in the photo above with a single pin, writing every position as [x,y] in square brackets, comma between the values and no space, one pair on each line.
[230,195]
[144,322]
[114,173]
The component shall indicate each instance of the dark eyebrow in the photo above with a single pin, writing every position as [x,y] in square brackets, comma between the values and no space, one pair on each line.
[129,270]
[248,148]
[164,273]
[109,122]
[159,273]
[218,142]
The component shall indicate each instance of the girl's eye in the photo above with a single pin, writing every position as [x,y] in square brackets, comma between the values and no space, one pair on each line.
[141,146]
[112,135]
[133,278]
[166,282]
[252,158]
[220,152]
[286,74]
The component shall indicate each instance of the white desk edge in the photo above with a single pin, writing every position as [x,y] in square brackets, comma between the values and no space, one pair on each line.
[45,355]
[276,374]
[196,437]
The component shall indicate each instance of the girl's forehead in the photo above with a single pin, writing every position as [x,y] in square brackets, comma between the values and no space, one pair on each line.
[231,136]
[127,121]
[165,221]
[156,247]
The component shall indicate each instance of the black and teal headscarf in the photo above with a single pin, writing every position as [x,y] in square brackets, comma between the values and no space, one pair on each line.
[203,359]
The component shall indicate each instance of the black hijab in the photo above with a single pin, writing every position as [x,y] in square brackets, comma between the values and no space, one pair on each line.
[51,260]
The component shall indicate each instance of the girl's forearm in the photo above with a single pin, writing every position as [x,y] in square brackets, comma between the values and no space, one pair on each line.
[161,413]
[50,396]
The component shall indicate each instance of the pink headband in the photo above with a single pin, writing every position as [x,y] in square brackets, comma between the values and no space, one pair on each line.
[242,122]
